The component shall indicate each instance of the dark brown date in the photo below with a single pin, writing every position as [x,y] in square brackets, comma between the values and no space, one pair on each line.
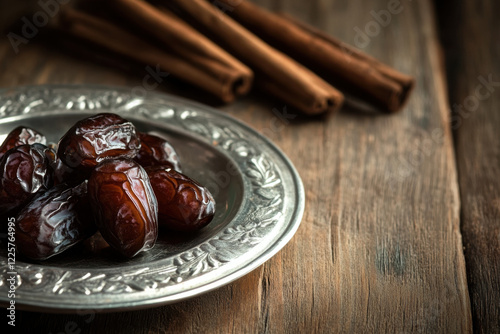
[97,138]
[156,151]
[24,171]
[183,204]
[54,221]
[124,205]
[21,135]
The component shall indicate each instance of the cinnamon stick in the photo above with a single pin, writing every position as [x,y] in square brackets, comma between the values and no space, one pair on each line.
[206,74]
[385,85]
[287,79]
[184,40]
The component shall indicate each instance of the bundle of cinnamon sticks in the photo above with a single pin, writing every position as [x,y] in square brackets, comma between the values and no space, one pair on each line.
[226,54]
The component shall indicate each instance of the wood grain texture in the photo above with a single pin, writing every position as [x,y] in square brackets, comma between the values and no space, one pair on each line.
[379,248]
[472,46]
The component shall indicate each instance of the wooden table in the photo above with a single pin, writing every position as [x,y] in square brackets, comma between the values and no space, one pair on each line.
[401,231]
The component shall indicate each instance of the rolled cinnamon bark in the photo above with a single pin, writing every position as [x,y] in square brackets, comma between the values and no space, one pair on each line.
[185,41]
[286,78]
[388,87]
[212,77]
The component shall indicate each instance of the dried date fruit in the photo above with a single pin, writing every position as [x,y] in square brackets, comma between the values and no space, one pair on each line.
[124,205]
[183,204]
[54,221]
[25,171]
[22,135]
[156,151]
[97,138]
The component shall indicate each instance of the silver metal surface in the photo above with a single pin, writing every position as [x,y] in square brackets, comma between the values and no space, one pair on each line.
[259,195]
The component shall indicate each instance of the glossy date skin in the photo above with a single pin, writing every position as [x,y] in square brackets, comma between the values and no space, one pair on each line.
[183,204]
[98,138]
[22,135]
[24,171]
[156,151]
[124,206]
[54,221]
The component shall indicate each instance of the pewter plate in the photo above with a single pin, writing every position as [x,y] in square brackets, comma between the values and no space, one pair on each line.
[259,195]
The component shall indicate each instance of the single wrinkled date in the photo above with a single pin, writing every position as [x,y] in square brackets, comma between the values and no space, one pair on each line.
[102,176]
[184,205]
[54,221]
[125,207]
[25,171]
[20,136]
[97,138]
[156,151]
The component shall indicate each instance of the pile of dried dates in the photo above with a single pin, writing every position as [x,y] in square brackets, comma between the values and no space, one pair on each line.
[102,176]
